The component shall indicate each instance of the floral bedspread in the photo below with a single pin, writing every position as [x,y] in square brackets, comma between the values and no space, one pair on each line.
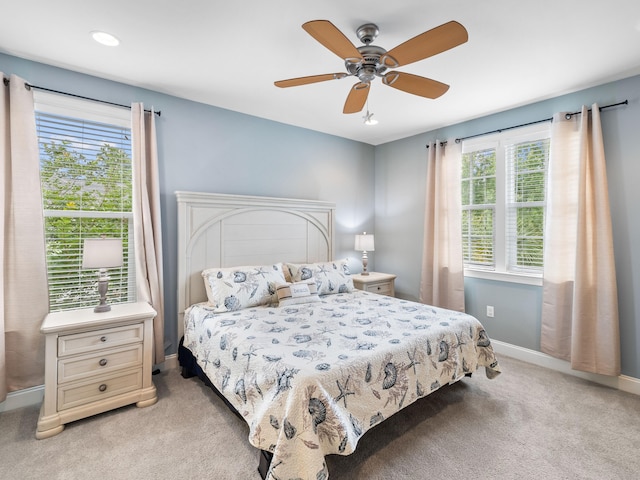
[311,379]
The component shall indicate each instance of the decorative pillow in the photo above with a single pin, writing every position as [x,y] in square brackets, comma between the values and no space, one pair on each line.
[296,293]
[236,288]
[330,277]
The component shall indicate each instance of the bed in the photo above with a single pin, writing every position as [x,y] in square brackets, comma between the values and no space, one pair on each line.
[271,321]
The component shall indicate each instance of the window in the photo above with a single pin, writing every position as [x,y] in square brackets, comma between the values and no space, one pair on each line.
[86,178]
[503,202]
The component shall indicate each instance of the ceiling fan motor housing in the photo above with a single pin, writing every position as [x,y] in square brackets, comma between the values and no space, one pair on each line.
[369,67]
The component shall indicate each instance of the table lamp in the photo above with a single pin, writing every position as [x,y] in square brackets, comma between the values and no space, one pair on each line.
[364,244]
[102,253]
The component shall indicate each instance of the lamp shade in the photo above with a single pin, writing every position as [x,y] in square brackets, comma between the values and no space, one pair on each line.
[364,243]
[102,253]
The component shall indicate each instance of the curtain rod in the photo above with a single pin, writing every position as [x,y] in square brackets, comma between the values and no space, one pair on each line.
[567,116]
[28,86]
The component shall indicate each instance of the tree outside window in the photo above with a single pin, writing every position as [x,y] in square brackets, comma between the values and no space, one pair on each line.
[86,182]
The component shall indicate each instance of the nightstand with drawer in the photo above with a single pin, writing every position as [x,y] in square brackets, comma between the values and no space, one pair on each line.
[95,362]
[382,283]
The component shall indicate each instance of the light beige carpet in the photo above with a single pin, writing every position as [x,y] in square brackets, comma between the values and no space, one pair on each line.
[529,423]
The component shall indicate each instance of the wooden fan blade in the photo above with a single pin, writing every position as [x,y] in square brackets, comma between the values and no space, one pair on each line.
[328,35]
[357,98]
[407,82]
[425,45]
[293,82]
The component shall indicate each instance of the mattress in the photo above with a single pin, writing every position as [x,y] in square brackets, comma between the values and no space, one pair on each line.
[311,379]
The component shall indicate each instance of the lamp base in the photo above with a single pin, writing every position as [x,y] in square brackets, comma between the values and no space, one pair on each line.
[103,285]
[365,262]
[102,308]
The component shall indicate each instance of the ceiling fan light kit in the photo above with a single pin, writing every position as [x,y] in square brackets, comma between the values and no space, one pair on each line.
[370,61]
[368,119]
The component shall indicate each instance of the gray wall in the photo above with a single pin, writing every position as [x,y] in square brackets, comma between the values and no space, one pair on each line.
[400,175]
[208,149]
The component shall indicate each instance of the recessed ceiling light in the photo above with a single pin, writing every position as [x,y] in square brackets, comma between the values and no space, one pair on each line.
[105,38]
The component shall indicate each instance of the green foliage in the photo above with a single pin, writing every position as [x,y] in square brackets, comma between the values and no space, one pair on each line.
[526,194]
[74,183]
[71,181]
[529,180]
[479,193]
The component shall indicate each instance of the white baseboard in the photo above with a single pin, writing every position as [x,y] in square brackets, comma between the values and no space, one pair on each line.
[23,398]
[170,362]
[623,382]
[35,395]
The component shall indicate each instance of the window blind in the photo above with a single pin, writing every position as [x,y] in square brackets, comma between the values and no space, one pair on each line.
[525,204]
[503,202]
[478,206]
[86,177]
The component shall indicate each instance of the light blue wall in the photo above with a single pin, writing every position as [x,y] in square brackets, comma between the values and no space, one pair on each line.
[399,196]
[204,148]
[208,149]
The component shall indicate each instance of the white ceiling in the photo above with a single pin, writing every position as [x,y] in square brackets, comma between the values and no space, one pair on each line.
[228,54]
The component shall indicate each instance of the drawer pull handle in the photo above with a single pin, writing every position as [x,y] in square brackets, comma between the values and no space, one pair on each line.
[102,387]
[103,362]
[103,338]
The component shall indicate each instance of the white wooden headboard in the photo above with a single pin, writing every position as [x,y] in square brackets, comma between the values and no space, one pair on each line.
[220,230]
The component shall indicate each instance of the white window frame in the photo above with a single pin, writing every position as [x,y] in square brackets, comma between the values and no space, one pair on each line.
[500,141]
[57,104]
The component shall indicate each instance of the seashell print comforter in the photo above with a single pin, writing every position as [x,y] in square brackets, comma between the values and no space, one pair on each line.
[311,379]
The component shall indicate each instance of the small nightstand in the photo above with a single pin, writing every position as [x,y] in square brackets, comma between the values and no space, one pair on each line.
[382,283]
[95,362]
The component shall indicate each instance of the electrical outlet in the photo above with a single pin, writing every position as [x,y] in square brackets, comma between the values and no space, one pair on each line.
[490,311]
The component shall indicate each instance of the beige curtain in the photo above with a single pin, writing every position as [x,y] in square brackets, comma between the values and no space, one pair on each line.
[146,220]
[580,309]
[442,282]
[24,297]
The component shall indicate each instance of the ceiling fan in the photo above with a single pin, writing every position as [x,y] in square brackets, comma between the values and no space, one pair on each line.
[370,61]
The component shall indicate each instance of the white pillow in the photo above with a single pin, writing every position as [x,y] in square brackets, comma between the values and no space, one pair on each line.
[331,277]
[297,293]
[236,288]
